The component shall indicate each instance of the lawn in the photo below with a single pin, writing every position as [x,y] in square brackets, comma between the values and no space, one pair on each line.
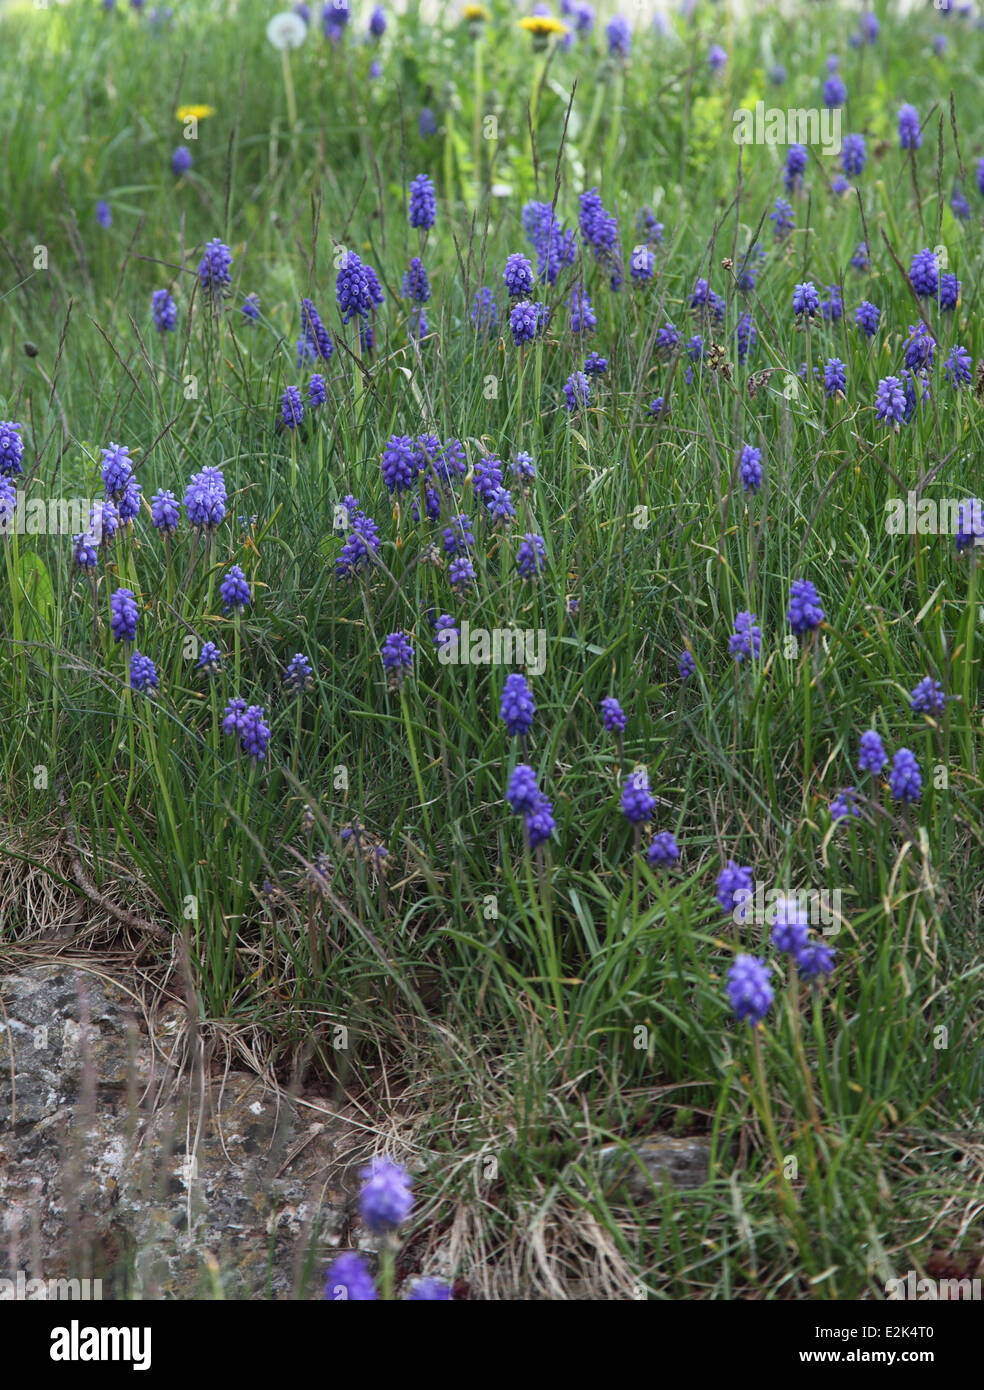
[379,407]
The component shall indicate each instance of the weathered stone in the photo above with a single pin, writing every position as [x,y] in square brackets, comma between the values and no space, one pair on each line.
[115,1166]
[683,1163]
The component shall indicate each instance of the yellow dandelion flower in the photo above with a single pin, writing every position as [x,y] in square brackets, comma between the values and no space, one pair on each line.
[185,113]
[476,14]
[543,24]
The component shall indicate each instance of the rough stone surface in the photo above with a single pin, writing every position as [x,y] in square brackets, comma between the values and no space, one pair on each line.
[683,1163]
[163,1184]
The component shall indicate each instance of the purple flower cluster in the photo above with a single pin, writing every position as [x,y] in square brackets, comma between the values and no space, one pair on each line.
[517,709]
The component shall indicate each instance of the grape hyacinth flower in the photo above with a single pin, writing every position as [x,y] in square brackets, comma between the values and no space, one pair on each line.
[667,337]
[641,264]
[317,391]
[806,301]
[104,215]
[165,511]
[523,468]
[959,204]
[385,1200]
[790,926]
[583,318]
[746,336]
[796,157]
[834,91]
[423,204]
[181,161]
[686,665]
[833,307]
[458,537]
[648,227]
[429,1290]
[446,632]
[348,1280]
[842,805]
[619,34]
[920,347]
[353,291]
[910,137]
[599,228]
[397,655]
[143,673]
[250,307]
[949,291]
[117,468]
[612,715]
[927,697]
[924,273]
[835,379]
[890,401]
[540,823]
[518,276]
[531,555]
[734,888]
[957,367]
[361,545]
[234,590]
[213,269]
[749,991]
[524,320]
[970,525]
[866,318]
[317,339]
[205,499]
[123,615]
[335,15]
[461,573]
[299,676]
[232,716]
[905,778]
[11,448]
[209,659]
[782,219]
[805,612]
[485,312]
[292,408]
[400,464]
[638,801]
[487,477]
[595,365]
[746,639]
[871,755]
[662,850]
[517,709]
[165,311]
[104,520]
[416,286]
[716,58]
[83,550]
[751,468]
[861,260]
[813,959]
[853,155]
[577,392]
[500,505]
[522,793]
[254,733]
